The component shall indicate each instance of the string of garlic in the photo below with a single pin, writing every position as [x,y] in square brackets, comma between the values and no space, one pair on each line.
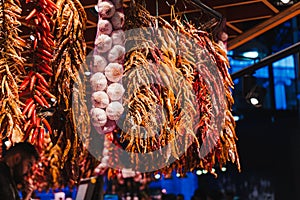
[107,71]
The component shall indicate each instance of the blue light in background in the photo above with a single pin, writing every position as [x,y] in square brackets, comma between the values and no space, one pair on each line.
[284,77]
[183,185]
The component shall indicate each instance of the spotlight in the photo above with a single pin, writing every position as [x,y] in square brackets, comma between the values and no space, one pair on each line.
[256,96]
[198,172]
[177,175]
[223,169]
[157,176]
[254,101]
[285,1]
[236,118]
[250,54]
[253,93]
[205,171]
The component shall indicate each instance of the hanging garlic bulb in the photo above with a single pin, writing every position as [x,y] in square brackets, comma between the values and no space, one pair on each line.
[103,43]
[99,64]
[116,54]
[118,37]
[106,9]
[98,82]
[118,20]
[100,99]
[114,72]
[104,27]
[114,110]
[115,91]
[98,117]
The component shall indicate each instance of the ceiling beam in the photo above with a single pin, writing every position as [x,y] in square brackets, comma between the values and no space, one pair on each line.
[91,26]
[250,19]
[267,3]
[89,6]
[232,36]
[91,22]
[236,4]
[265,26]
[90,47]
[234,28]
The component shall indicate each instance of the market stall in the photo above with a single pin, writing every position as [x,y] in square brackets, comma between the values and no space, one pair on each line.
[153,97]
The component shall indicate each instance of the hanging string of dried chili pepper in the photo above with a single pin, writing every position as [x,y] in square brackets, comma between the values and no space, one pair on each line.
[70,120]
[11,71]
[35,89]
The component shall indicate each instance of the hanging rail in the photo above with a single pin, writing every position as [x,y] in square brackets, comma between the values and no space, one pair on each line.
[268,60]
[201,7]
[207,9]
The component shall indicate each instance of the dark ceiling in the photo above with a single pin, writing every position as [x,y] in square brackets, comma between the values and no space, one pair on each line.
[240,15]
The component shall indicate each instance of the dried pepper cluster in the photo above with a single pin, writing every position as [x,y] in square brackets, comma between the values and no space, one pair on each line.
[70,117]
[11,70]
[43,87]
[177,98]
[35,89]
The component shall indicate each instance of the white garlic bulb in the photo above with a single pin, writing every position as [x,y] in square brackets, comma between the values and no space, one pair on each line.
[100,99]
[98,117]
[106,9]
[116,54]
[105,152]
[103,43]
[118,37]
[114,110]
[105,160]
[115,91]
[104,27]
[98,81]
[99,64]
[102,166]
[114,72]
[118,20]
